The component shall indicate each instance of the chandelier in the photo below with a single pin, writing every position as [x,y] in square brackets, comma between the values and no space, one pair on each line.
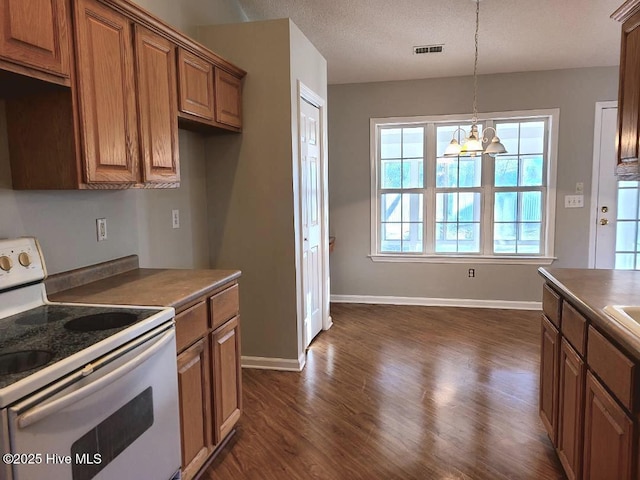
[472,145]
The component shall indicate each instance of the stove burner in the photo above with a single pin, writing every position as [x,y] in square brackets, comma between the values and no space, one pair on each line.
[41,318]
[101,321]
[16,362]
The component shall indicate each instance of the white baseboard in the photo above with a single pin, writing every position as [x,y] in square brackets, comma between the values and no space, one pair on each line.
[437,302]
[270,363]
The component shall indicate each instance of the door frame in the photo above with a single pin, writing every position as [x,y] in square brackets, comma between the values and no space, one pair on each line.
[595,178]
[307,94]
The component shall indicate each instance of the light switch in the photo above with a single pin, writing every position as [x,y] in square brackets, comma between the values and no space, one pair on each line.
[573,201]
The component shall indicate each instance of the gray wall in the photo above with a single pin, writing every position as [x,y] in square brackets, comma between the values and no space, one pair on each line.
[574,92]
[252,179]
[139,221]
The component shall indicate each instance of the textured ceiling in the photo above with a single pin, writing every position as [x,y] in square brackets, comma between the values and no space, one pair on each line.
[372,40]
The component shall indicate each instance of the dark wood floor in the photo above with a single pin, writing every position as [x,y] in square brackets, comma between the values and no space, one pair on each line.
[399,393]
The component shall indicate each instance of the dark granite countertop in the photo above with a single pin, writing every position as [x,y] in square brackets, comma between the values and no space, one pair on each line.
[43,329]
[149,286]
[591,290]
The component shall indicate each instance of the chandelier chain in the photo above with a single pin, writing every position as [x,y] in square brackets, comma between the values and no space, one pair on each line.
[475,67]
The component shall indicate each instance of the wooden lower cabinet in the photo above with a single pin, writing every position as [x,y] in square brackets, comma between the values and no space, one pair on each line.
[227,389]
[549,352]
[608,438]
[570,410]
[209,376]
[194,389]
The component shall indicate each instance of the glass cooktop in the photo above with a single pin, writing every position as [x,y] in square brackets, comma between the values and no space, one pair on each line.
[37,338]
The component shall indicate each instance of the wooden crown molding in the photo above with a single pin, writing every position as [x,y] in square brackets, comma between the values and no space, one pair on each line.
[627,9]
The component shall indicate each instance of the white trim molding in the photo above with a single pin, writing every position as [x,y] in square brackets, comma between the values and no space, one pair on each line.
[438,302]
[270,363]
[486,259]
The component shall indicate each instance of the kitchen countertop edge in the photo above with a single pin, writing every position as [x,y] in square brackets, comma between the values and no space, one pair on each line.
[111,290]
[627,339]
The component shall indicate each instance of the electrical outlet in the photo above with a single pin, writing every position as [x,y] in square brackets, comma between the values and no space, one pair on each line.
[101,229]
[472,273]
[573,201]
[175,218]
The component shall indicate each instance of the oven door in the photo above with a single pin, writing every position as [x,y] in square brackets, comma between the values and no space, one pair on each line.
[117,418]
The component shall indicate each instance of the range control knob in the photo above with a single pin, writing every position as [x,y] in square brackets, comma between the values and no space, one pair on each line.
[5,263]
[24,259]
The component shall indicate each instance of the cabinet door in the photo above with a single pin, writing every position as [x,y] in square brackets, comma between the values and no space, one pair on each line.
[608,441]
[571,410]
[629,90]
[157,107]
[228,99]
[108,119]
[195,415]
[34,34]
[227,379]
[195,85]
[549,352]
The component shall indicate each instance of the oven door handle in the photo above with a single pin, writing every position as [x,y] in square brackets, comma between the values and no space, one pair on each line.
[42,411]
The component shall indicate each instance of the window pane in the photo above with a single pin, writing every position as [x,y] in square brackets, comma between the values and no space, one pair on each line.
[505,208]
[504,238]
[529,241]
[627,204]
[531,137]
[626,236]
[446,172]
[624,261]
[470,171]
[451,207]
[531,171]
[412,237]
[412,173]
[391,177]
[446,237]
[390,207]
[531,205]
[628,184]
[508,133]
[469,206]
[412,207]
[390,146]
[506,172]
[413,142]
[469,237]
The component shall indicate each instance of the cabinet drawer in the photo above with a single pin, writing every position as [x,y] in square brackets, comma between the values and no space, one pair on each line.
[551,305]
[615,370]
[224,305]
[191,325]
[574,328]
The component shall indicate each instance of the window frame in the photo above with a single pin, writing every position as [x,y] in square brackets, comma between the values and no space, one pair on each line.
[487,188]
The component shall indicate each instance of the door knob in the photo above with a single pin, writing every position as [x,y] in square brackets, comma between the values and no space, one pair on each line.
[604,221]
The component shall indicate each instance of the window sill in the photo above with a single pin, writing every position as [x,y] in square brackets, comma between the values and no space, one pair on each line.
[476,259]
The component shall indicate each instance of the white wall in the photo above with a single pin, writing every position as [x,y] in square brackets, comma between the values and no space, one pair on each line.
[574,92]
[139,221]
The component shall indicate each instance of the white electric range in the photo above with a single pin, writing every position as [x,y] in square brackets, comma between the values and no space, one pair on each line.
[86,391]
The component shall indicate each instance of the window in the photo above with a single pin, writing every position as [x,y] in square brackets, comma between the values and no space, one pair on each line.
[429,207]
[628,226]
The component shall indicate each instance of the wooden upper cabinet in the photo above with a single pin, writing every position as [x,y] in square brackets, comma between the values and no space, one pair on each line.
[35,33]
[195,86]
[228,99]
[157,107]
[106,92]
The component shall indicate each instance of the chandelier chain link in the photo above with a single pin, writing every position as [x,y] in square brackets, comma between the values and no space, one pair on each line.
[475,67]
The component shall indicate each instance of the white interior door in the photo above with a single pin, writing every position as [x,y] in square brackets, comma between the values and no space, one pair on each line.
[311,206]
[616,215]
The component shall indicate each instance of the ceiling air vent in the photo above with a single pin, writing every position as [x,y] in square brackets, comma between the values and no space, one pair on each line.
[422,49]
